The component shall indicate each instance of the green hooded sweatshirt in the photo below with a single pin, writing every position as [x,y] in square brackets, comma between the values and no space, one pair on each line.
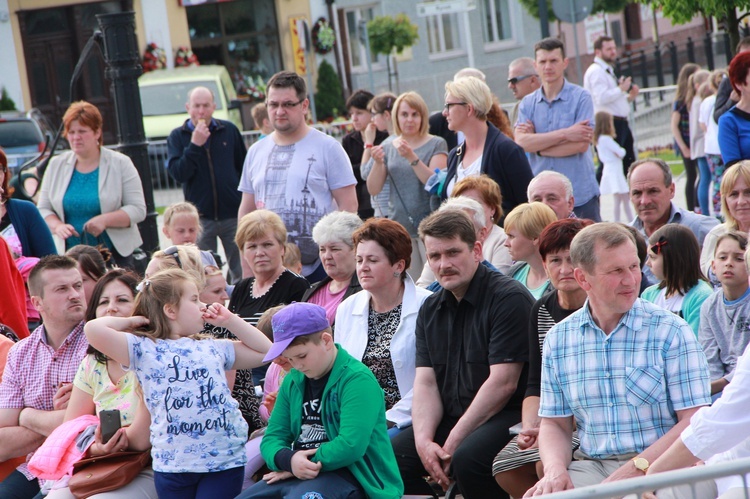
[353,413]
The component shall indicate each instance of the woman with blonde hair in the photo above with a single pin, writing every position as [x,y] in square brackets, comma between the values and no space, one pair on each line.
[523,226]
[485,149]
[406,161]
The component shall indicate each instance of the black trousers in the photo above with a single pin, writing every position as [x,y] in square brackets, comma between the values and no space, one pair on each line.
[471,463]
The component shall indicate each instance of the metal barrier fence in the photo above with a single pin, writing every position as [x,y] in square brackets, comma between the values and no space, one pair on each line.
[689,477]
[157,152]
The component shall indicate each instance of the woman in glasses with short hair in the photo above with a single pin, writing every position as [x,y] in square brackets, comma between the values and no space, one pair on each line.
[674,258]
[485,149]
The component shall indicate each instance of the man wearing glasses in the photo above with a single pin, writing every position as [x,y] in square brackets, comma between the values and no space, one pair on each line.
[297,172]
[205,155]
[651,192]
[522,80]
[612,94]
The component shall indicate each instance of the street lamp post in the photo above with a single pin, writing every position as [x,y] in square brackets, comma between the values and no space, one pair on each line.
[123,69]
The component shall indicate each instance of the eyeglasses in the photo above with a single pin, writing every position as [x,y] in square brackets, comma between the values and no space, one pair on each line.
[174,252]
[285,105]
[656,248]
[448,105]
[515,80]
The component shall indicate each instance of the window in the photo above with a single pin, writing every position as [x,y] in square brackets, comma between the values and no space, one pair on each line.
[443,34]
[358,50]
[497,21]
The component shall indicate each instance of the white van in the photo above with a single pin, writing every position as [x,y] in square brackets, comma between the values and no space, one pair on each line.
[164,94]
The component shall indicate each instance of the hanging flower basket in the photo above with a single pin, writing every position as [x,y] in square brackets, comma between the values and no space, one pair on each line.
[323,36]
[154,58]
[185,57]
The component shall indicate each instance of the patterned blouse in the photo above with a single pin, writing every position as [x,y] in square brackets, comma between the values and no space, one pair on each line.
[380,329]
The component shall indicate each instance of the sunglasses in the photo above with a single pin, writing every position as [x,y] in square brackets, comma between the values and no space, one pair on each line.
[174,253]
[656,248]
[515,80]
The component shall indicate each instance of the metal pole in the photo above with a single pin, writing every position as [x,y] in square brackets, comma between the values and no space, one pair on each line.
[579,71]
[544,18]
[467,31]
[123,68]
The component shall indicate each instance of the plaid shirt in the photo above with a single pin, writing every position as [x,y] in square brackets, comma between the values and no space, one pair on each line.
[622,388]
[34,371]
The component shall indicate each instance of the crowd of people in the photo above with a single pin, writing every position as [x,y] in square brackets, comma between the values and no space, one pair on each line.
[432,306]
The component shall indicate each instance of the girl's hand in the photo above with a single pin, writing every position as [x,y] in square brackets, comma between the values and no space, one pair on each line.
[270,400]
[64,231]
[118,443]
[369,132]
[62,396]
[217,315]
[135,322]
[527,439]
[378,154]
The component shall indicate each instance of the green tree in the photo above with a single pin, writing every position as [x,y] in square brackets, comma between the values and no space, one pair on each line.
[682,11]
[329,99]
[532,7]
[6,103]
[391,34]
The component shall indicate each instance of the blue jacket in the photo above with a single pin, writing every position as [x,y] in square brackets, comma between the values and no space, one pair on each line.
[35,236]
[504,161]
[209,174]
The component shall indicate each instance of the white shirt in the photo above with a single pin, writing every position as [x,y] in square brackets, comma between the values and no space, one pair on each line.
[602,84]
[721,431]
[706,116]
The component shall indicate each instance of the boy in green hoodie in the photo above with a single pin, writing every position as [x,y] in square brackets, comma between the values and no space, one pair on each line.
[327,434]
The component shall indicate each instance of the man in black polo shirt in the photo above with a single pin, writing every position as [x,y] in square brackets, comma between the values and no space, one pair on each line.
[472,353]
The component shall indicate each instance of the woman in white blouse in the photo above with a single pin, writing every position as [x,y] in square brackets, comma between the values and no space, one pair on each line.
[377,325]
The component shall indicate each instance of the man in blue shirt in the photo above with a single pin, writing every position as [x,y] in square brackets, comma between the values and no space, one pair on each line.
[629,372]
[555,125]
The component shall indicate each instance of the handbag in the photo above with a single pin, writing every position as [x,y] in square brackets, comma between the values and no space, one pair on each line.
[99,474]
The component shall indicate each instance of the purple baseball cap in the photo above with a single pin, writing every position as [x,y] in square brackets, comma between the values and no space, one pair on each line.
[297,319]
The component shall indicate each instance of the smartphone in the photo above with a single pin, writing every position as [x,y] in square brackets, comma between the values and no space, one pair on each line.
[110,423]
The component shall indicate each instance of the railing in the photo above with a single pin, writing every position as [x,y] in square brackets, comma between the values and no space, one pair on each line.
[691,476]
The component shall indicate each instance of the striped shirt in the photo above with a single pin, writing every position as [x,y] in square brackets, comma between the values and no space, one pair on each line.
[622,388]
[34,371]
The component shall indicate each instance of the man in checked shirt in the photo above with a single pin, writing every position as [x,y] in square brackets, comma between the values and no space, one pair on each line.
[630,373]
[37,380]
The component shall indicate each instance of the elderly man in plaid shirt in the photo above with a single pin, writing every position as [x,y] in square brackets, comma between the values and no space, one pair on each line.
[630,373]
[40,369]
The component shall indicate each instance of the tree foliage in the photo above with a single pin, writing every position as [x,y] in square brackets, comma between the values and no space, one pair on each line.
[682,11]
[329,99]
[388,33]
[6,103]
[532,7]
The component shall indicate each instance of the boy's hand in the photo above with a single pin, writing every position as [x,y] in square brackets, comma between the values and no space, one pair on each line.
[302,467]
[276,476]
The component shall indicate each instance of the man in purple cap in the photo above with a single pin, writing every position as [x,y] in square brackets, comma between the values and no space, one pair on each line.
[328,433]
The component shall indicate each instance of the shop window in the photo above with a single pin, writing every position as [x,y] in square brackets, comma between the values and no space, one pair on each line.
[497,26]
[358,50]
[443,35]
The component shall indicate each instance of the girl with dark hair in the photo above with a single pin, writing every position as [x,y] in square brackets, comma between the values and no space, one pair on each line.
[92,264]
[674,258]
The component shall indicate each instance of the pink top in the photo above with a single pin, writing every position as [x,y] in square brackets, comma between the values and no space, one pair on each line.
[328,300]
[274,377]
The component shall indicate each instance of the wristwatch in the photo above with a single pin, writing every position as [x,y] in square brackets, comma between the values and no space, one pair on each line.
[414,163]
[641,464]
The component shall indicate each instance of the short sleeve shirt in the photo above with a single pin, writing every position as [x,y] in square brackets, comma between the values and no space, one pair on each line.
[196,425]
[461,340]
[572,105]
[295,182]
[93,378]
[623,388]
